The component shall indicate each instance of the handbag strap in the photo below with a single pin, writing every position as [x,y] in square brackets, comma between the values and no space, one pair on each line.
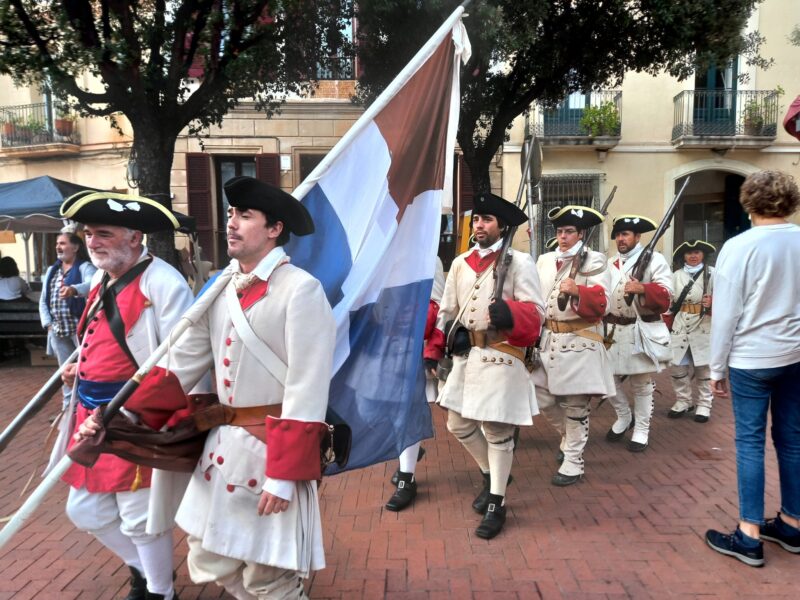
[257,347]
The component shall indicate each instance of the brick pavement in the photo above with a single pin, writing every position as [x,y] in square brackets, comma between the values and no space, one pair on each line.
[632,529]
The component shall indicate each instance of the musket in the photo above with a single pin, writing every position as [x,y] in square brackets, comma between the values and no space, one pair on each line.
[189,318]
[706,277]
[36,403]
[646,255]
[577,262]
[531,150]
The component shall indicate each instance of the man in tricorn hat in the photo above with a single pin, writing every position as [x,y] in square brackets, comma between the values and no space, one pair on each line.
[489,391]
[693,285]
[135,300]
[251,509]
[627,325]
[574,362]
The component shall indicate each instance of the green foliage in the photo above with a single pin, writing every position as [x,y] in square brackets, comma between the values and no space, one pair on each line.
[601,120]
[527,51]
[142,54]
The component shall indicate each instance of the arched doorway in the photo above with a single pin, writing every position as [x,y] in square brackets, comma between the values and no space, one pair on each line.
[709,208]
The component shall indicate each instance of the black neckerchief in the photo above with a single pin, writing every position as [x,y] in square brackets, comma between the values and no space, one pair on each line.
[108,302]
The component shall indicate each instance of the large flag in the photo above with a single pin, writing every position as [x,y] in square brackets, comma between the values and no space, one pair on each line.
[376,200]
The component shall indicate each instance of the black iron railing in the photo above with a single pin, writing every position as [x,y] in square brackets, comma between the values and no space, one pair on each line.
[336,68]
[36,124]
[725,113]
[589,114]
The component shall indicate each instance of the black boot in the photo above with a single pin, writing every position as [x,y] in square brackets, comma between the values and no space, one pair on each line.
[494,519]
[138,589]
[404,494]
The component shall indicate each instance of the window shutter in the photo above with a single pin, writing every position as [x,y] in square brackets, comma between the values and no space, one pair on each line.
[268,168]
[465,191]
[198,187]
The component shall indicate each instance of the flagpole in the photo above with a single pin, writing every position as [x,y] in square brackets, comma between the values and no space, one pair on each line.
[381,101]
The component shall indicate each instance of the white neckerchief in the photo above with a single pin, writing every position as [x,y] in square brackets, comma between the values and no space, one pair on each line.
[625,256]
[692,270]
[482,252]
[567,253]
[276,257]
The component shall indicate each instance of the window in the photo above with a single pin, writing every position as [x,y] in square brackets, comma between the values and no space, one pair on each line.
[561,190]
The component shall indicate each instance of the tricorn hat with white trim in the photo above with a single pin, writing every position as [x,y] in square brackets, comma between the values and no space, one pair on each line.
[491,204]
[551,243]
[634,223]
[582,217]
[123,210]
[248,192]
[690,245]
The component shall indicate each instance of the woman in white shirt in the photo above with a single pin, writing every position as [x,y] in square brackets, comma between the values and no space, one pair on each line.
[12,286]
[755,345]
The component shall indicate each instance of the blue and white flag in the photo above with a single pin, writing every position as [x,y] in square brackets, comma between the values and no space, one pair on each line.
[376,200]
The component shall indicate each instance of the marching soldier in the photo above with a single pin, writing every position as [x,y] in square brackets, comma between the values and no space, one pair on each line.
[640,337]
[135,300]
[489,391]
[691,330]
[574,363]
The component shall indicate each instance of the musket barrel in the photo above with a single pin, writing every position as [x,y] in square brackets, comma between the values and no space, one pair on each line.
[36,404]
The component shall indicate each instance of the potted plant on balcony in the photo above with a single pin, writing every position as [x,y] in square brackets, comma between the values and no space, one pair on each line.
[65,124]
[601,120]
[752,117]
[10,122]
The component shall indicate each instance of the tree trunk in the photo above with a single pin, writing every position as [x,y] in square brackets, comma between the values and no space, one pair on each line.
[154,154]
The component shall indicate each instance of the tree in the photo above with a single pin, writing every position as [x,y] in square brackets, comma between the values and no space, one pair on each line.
[526,51]
[141,53]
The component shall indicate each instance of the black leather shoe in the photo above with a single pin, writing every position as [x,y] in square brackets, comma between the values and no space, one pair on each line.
[482,500]
[613,436]
[493,519]
[562,480]
[404,494]
[151,596]
[701,418]
[636,447]
[677,414]
[138,589]
[419,458]
[560,457]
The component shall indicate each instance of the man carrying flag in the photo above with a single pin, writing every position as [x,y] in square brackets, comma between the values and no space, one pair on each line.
[489,391]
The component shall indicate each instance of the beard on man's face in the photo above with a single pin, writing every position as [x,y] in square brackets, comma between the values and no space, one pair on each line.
[111,259]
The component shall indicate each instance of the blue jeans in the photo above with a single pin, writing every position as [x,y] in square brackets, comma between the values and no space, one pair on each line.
[63,347]
[754,392]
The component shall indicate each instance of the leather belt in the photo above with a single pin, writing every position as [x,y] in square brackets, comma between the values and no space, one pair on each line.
[692,309]
[579,327]
[619,320]
[253,415]
[567,326]
[483,339]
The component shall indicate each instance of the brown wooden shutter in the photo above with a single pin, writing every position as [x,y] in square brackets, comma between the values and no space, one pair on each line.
[465,191]
[268,168]
[198,187]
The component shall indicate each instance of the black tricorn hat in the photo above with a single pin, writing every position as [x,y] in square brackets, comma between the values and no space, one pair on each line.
[634,223]
[582,217]
[491,204]
[248,192]
[122,210]
[690,245]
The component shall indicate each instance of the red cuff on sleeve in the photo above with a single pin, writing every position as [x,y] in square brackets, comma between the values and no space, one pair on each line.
[434,348]
[656,298]
[527,324]
[293,449]
[591,304]
[157,398]
[430,322]
[668,319]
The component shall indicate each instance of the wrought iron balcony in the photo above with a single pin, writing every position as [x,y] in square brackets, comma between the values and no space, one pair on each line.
[589,119]
[720,119]
[336,68]
[36,125]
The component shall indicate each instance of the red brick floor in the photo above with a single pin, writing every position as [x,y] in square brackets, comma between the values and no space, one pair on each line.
[633,529]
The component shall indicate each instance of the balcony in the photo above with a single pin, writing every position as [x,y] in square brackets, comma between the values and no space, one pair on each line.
[588,120]
[336,68]
[37,130]
[724,119]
